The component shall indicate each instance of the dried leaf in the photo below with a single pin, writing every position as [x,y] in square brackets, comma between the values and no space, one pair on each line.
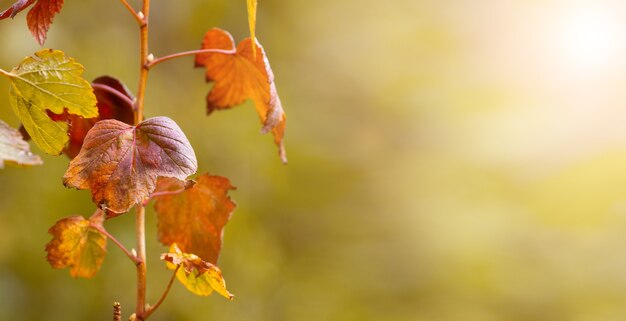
[240,76]
[198,276]
[78,244]
[49,81]
[120,163]
[194,219]
[39,18]
[13,149]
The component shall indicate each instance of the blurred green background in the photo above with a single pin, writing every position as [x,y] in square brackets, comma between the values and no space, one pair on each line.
[449,160]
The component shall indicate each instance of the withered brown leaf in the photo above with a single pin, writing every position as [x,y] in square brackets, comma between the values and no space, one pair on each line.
[120,163]
[242,75]
[194,219]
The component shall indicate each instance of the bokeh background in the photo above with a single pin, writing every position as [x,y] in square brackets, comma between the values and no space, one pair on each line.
[449,160]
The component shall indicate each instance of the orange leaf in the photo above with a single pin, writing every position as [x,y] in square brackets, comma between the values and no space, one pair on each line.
[194,219]
[78,244]
[40,17]
[120,163]
[198,276]
[240,76]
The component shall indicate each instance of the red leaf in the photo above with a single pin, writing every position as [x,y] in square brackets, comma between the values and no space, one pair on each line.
[40,17]
[111,105]
[120,163]
[194,219]
[240,76]
[15,8]
[109,92]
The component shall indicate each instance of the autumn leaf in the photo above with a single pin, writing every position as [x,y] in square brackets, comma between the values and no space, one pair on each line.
[198,276]
[120,163]
[78,244]
[46,82]
[251,4]
[39,17]
[194,219]
[15,8]
[13,149]
[239,76]
[114,102]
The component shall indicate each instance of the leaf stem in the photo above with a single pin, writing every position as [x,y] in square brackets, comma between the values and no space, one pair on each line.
[118,243]
[114,92]
[132,11]
[157,61]
[151,309]
[6,73]
[157,194]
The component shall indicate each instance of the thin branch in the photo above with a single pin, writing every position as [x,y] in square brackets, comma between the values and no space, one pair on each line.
[117,311]
[140,232]
[133,12]
[189,53]
[112,91]
[143,62]
[151,309]
[133,258]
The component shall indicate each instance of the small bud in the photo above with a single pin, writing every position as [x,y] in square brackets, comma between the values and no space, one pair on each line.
[140,15]
[150,58]
[133,252]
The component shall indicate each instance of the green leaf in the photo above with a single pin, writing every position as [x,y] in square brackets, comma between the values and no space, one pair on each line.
[13,148]
[49,81]
[78,244]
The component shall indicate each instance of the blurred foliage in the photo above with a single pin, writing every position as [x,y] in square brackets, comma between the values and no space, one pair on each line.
[442,167]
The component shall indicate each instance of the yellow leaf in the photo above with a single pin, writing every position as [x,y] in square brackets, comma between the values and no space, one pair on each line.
[198,276]
[49,81]
[77,244]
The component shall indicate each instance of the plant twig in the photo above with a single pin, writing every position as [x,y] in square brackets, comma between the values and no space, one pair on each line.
[132,11]
[157,194]
[112,91]
[118,243]
[151,309]
[117,311]
[143,61]
[141,266]
[157,61]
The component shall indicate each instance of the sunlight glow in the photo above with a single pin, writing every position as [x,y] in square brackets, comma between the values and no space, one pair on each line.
[590,37]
